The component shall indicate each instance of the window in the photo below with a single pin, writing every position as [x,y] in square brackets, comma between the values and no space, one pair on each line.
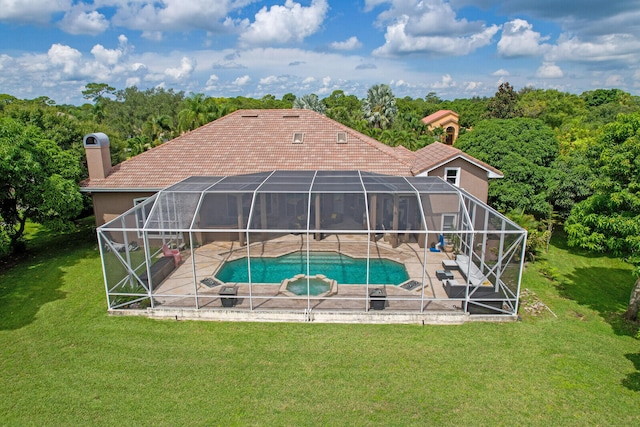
[452,176]
[448,224]
[298,137]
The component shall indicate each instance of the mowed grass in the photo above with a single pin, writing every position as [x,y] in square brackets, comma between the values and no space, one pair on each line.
[64,361]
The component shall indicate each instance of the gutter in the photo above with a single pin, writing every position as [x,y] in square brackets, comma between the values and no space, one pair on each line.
[118,190]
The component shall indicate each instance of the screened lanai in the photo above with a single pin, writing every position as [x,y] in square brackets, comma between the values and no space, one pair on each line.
[311,242]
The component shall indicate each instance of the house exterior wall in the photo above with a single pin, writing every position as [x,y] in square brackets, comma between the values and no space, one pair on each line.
[444,123]
[472,178]
[107,206]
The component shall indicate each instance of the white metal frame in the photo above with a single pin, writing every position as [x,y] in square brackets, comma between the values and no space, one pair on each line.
[468,211]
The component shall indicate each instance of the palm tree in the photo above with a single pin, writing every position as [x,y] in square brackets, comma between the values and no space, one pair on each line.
[158,128]
[198,111]
[309,102]
[379,108]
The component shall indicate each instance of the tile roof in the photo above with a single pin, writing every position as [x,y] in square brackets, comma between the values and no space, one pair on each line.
[437,116]
[248,141]
[437,154]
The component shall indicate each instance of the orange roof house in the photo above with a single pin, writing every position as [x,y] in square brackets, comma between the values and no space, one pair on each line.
[248,141]
[447,120]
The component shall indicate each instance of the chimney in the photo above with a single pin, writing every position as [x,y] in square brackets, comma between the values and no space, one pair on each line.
[96,145]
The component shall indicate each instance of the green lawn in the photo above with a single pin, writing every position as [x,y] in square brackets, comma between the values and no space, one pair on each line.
[64,361]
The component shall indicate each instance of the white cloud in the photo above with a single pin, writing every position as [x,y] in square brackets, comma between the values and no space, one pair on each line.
[283,24]
[519,39]
[31,11]
[106,56]
[270,80]
[399,41]
[473,86]
[242,81]
[500,73]
[326,81]
[549,70]
[615,80]
[156,36]
[445,82]
[65,56]
[612,47]
[350,44]
[182,72]
[212,83]
[77,21]
[132,81]
[153,17]
[309,80]
[428,26]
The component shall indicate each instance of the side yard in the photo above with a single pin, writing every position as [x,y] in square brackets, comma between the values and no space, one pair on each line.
[64,361]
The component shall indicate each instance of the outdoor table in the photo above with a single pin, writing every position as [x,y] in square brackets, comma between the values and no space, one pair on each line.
[444,275]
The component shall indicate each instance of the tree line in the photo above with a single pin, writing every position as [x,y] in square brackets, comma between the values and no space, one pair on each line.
[567,159]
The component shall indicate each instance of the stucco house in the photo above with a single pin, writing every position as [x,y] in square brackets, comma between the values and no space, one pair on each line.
[447,120]
[251,141]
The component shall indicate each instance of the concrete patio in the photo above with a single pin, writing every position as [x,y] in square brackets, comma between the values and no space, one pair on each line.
[178,290]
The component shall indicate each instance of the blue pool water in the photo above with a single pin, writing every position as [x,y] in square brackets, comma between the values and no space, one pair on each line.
[316,286]
[341,268]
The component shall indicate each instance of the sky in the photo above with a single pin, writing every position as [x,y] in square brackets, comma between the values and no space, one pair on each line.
[229,48]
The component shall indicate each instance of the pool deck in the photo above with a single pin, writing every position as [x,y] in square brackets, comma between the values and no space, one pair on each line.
[178,290]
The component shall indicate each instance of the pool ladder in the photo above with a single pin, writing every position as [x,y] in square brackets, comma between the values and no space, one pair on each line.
[308,315]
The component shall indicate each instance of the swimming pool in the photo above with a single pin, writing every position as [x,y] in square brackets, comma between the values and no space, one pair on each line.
[316,286]
[339,267]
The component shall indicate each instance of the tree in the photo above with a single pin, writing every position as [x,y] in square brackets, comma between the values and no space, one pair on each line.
[470,110]
[609,220]
[197,111]
[504,104]
[346,109]
[158,128]
[309,102]
[379,107]
[38,182]
[524,150]
[553,107]
[96,91]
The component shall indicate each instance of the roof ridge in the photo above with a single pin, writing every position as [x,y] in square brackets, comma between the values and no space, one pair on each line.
[388,150]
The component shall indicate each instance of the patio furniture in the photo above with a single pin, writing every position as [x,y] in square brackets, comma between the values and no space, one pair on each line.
[449,264]
[484,294]
[228,291]
[175,253]
[444,275]
[378,298]
[476,277]
[159,271]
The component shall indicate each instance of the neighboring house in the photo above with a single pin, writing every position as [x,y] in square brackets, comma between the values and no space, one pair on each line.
[447,120]
[249,141]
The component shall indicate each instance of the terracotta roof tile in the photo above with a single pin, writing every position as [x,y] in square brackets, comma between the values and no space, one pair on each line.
[437,116]
[248,141]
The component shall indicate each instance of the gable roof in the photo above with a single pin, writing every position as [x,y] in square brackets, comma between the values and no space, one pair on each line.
[248,141]
[437,116]
[437,154]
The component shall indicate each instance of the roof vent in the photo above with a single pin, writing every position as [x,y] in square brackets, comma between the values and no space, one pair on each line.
[291,116]
[249,115]
[298,137]
[342,138]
